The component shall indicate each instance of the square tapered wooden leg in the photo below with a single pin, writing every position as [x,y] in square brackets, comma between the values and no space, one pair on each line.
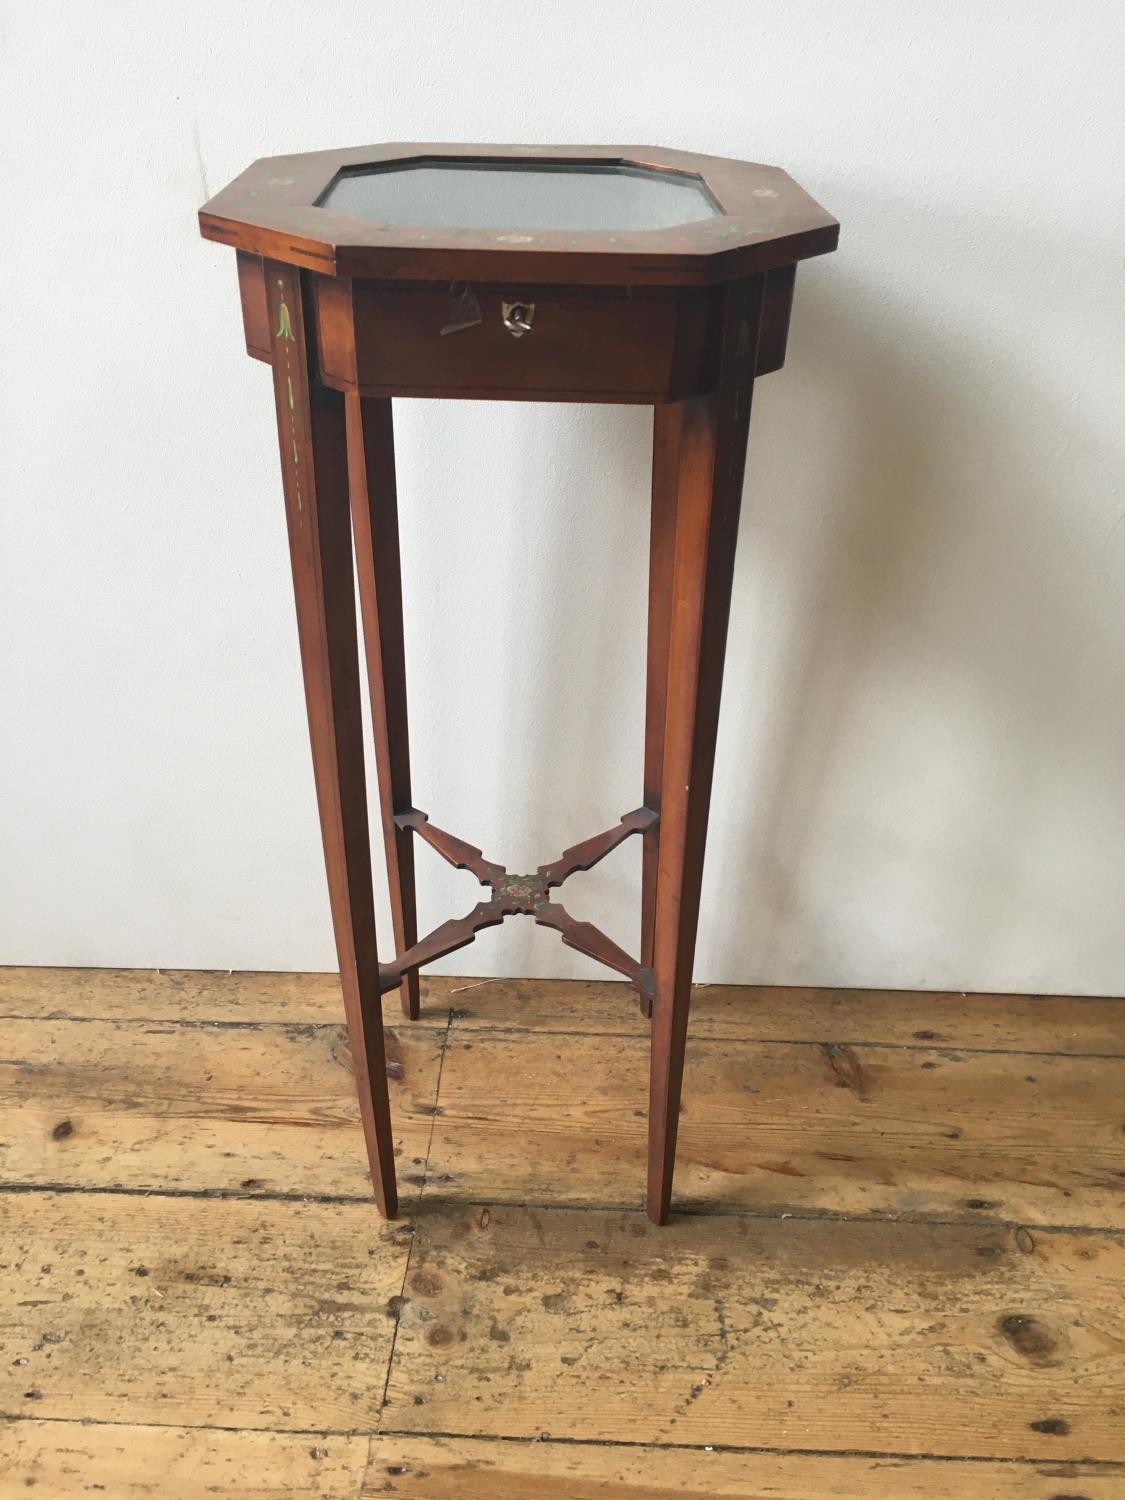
[666,429]
[701,448]
[371,479]
[311,431]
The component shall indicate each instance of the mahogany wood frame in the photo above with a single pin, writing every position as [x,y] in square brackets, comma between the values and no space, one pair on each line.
[351,314]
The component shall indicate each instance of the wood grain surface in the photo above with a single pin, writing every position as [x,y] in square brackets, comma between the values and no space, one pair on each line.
[204,1312]
[789,1128]
[78,1460]
[159,1106]
[1069,1024]
[462,1469]
[184,1463]
[901,1278]
[762,1333]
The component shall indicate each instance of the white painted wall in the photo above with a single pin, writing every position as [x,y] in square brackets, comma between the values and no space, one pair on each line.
[921,774]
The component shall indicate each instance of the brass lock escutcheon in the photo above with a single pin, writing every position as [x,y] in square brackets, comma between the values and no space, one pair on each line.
[517,317]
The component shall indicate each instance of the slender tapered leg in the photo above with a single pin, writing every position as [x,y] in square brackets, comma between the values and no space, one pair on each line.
[666,429]
[371,478]
[311,431]
[706,444]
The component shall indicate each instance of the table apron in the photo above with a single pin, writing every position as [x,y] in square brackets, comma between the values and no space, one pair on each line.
[642,346]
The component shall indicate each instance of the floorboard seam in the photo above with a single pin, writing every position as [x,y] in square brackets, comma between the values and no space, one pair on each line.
[1112,1465]
[823,1216]
[217,1194]
[185,1023]
[944,1048]
[533,1031]
[417,1206]
[369,1459]
[774,1452]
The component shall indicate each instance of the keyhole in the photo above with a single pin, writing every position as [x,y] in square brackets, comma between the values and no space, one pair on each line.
[517,317]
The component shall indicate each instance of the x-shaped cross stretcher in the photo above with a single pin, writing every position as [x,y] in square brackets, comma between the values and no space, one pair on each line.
[516,895]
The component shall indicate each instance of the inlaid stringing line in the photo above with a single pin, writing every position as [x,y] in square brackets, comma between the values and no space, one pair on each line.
[286,341]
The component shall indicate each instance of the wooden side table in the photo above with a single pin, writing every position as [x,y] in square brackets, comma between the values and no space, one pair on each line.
[604,273]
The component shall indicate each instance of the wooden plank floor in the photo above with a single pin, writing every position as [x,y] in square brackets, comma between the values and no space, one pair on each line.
[897,1272]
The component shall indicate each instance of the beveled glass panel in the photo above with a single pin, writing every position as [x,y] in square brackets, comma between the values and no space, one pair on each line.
[466,193]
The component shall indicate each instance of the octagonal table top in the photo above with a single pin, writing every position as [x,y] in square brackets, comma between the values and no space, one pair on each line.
[614,215]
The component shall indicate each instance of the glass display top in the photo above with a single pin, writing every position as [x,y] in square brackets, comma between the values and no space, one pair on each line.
[463,193]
